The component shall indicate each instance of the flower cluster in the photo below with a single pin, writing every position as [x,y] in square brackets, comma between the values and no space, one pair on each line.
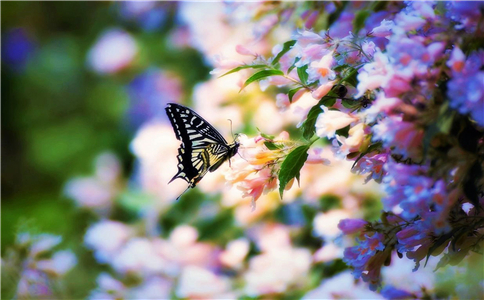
[34,266]
[403,102]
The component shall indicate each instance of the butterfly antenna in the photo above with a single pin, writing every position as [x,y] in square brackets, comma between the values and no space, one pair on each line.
[231,132]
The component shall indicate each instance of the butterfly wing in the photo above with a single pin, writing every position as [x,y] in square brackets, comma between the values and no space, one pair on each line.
[202,149]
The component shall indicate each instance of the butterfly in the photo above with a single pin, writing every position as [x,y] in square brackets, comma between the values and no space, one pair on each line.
[202,148]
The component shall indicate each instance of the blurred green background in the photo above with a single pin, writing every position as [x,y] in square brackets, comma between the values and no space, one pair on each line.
[58,114]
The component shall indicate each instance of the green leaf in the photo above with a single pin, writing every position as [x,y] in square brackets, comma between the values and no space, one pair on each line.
[293,65]
[272,146]
[349,103]
[266,136]
[359,20]
[285,47]
[292,92]
[243,67]
[442,125]
[350,76]
[291,166]
[303,75]
[437,243]
[261,75]
[308,125]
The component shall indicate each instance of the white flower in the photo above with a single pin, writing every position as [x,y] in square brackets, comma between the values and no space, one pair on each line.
[275,271]
[326,224]
[60,263]
[113,51]
[105,238]
[342,286]
[196,282]
[139,256]
[331,120]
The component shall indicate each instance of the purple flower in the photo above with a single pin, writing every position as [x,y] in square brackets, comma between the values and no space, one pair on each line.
[149,93]
[390,292]
[466,13]
[349,226]
[149,15]
[17,48]
[466,88]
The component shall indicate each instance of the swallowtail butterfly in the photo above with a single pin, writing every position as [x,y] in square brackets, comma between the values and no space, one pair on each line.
[202,147]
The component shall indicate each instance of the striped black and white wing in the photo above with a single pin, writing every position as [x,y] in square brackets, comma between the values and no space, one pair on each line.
[202,147]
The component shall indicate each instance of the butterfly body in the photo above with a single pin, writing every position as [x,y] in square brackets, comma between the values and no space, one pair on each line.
[203,149]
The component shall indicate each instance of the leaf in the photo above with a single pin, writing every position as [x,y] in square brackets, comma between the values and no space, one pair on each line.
[442,124]
[437,243]
[272,145]
[292,92]
[293,65]
[359,20]
[370,149]
[266,136]
[285,48]
[291,166]
[303,75]
[308,125]
[349,103]
[260,75]
[351,76]
[243,67]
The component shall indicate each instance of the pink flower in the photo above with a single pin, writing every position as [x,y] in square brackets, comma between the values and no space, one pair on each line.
[256,186]
[197,282]
[356,139]
[331,120]
[321,70]
[282,101]
[113,51]
[276,271]
[244,51]
[323,90]
[235,253]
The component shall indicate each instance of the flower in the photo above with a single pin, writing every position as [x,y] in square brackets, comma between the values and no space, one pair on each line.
[112,52]
[349,226]
[106,238]
[235,253]
[326,224]
[274,271]
[196,282]
[342,286]
[331,120]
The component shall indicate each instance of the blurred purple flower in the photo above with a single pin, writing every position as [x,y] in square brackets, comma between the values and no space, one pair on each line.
[466,88]
[390,292]
[17,48]
[343,26]
[149,15]
[149,93]
[466,13]
[349,226]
